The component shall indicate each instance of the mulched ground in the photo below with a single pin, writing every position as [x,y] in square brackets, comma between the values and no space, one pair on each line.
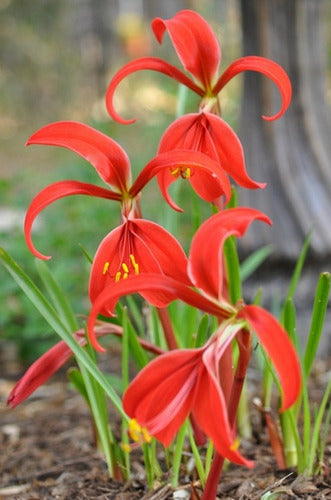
[47,452]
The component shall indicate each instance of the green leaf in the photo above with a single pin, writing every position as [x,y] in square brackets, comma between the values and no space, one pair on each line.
[57,295]
[254,261]
[202,333]
[317,321]
[317,428]
[233,269]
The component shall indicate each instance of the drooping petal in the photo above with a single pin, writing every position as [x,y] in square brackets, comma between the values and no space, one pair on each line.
[54,192]
[184,160]
[107,157]
[145,63]
[136,247]
[160,397]
[268,68]
[209,409]
[279,348]
[40,371]
[51,361]
[229,150]
[195,43]
[206,253]
[161,286]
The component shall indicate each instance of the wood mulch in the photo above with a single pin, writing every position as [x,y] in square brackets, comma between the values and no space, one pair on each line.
[47,452]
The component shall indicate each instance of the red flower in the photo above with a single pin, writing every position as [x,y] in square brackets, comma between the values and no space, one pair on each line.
[210,134]
[112,164]
[181,382]
[184,381]
[198,50]
[205,270]
[137,246]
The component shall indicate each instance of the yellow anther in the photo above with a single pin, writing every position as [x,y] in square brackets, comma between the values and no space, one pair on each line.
[138,434]
[134,264]
[235,444]
[186,174]
[125,267]
[105,268]
[125,275]
[118,276]
[134,429]
[175,171]
[145,434]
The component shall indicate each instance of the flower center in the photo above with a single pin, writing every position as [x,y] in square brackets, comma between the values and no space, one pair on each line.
[132,267]
[184,172]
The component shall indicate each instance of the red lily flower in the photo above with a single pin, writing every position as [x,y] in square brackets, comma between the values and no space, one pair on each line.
[210,134]
[112,165]
[198,50]
[185,381]
[137,246]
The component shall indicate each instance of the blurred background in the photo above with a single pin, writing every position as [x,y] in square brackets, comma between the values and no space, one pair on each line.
[56,61]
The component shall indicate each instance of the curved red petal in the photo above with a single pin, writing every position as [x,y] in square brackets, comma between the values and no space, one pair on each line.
[268,68]
[161,287]
[209,409]
[206,252]
[137,247]
[195,43]
[279,348]
[54,192]
[145,63]
[48,364]
[107,157]
[161,395]
[41,370]
[196,161]
[229,150]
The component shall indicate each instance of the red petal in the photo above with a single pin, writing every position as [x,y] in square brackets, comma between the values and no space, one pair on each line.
[161,286]
[160,397]
[195,43]
[195,160]
[206,253]
[106,156]
[40,371]
[52,193]
[229,150]
[142,246]
[45,366]
[279,348]
[210,411]
[145,63]
[268,68]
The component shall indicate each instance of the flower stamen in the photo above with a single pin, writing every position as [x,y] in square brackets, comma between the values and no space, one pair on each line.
[184,172]
[105,268]
[138,433]
[125,269]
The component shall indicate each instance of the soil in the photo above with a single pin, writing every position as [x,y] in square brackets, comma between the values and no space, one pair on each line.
[48,452]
